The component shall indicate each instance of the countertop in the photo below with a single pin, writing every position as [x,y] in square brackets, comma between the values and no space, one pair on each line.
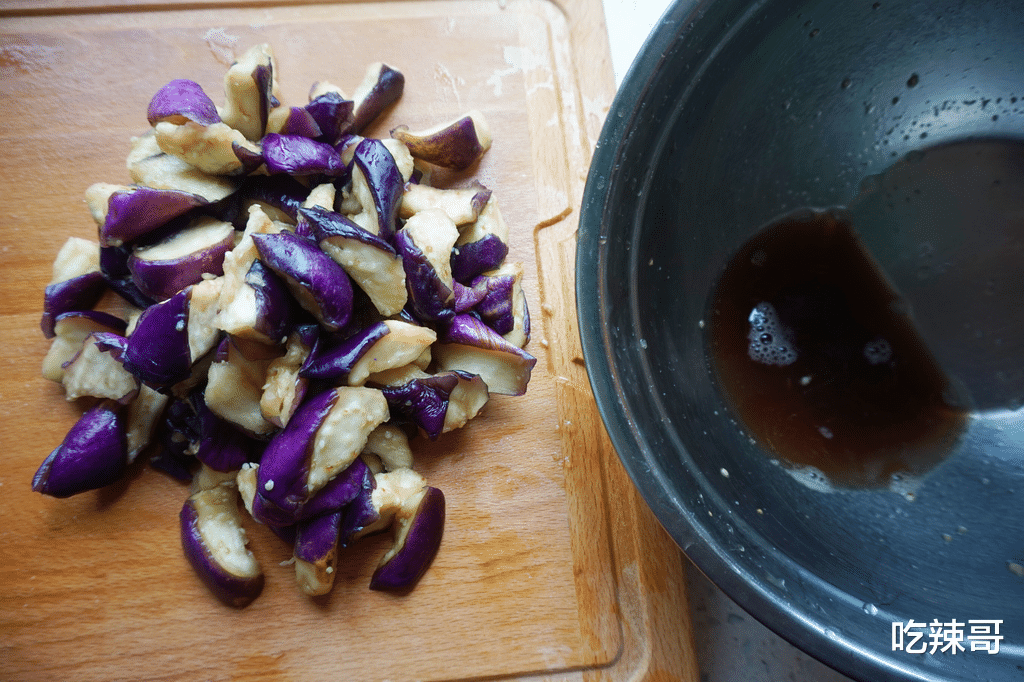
[731,645]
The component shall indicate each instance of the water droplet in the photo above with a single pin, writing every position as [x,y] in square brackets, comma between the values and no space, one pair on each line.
[870,609]
[814,33]
[846,83]
[913,80]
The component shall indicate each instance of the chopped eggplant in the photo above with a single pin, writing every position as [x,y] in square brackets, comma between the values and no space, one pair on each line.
[463,205]
[482,246]
[150,166]
[98,370]
[215,542]
[372,263]
[234,385]
[380,88]
[76,284]
[125,213]
[93,455]
[213,149]
[182,100]
[316,552]
[165,268]
[418,528]
[284,387]
[379,184]
[425,243]
[250,92]
[70,332]
[470,345]
[141,419]
[318,283]
[457,144]
[158,350]
[297,155]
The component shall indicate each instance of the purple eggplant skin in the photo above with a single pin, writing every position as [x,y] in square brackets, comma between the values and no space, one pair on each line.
[385,183]
[94,454]
[333,114]
[423,401]
[319,284]
[496,305]
[137,211]
[114,266]
[402,569]
[466,297]
[317,537]
[457,145]
[326,225]
[359,514]
[233,588]
[182,100]
[469,344]
[334,363]
[158,352]
[474,258]
[382,86]
[301,122]
[297,155]
[339,492]
[284,467]
[275,305]
[160,278]
[220,446]
[77,293]
[281,191]
[430,299]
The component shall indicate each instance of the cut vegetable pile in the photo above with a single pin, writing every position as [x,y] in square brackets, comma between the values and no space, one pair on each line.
[302,303]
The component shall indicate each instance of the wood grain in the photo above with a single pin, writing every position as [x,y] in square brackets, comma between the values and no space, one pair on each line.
[551,566]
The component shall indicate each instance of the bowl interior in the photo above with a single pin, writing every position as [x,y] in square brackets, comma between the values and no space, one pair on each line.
[736,113]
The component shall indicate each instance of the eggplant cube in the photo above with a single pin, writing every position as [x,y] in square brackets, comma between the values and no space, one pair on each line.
[93,454]
[214,543]
[457,144]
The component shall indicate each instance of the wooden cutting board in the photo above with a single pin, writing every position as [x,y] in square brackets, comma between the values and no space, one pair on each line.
[551,567]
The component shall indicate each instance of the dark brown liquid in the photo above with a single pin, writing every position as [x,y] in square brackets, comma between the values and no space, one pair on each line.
[821,362]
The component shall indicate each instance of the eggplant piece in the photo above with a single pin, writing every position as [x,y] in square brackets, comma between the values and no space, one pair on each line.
[380,88]
[502,304]
[470,345]
[92,455]
[250,92]
[323,439]
[318,283]
[463,205]
[76,284]
[482,246]
[466,297]
[158,350]
[389,444]
[182,100]
[372,263]
[378,185]
[125,213]
[425,243]
[214,543]
[70,332]
[383,346]
[297,121]
[418,529]
[114,267]
[213,149]
[98,370]
[141,419]
[284,387]
[403,344]
[297,156]
[219,446]
[165,268]
[150,166]
[234,385]
[423,400]
[254,303]
[465,401]
[333,115]
[316,552]
[334,362]
[282,193]
[457,144]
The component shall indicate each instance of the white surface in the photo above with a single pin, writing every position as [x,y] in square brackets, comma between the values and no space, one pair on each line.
[629,24]
[731,645]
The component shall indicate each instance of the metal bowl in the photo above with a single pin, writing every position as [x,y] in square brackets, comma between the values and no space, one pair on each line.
[735,113]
